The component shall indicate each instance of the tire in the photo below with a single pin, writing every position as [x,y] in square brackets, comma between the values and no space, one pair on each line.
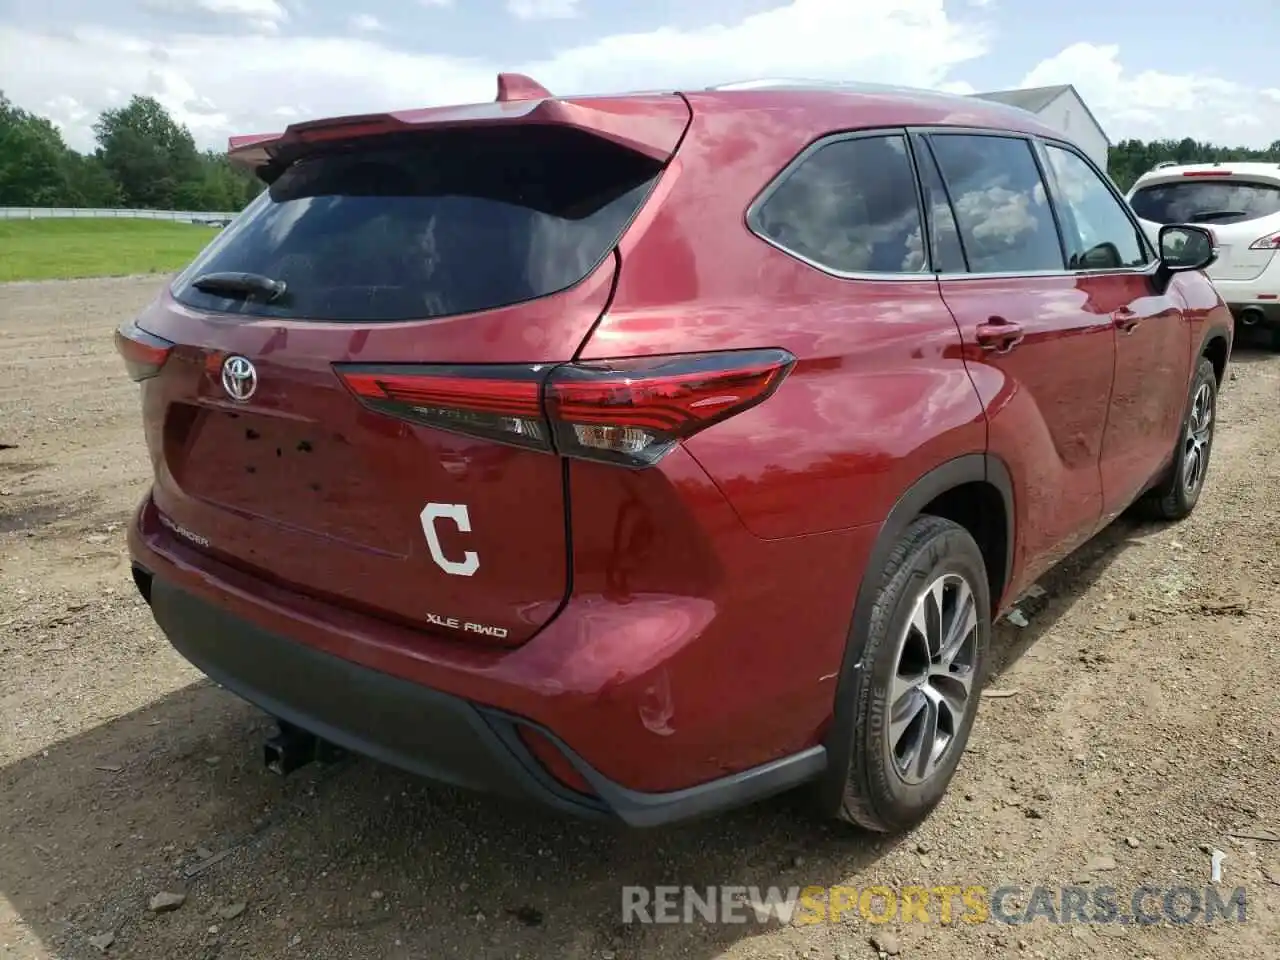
[1177,494]
[883,788]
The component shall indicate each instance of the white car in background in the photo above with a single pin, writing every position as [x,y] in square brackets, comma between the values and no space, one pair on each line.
[1240,204]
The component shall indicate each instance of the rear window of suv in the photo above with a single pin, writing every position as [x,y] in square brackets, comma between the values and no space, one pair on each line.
[438,225]
[1206,201]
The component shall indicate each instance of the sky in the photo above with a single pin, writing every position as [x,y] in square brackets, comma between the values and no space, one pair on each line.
[1169,69]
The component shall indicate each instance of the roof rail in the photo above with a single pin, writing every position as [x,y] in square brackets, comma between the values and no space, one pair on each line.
[766,82]
[1165,163]
[836,86]
[803,83]
[516,86]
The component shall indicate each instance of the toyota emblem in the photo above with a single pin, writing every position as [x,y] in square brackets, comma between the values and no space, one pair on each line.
[239,378]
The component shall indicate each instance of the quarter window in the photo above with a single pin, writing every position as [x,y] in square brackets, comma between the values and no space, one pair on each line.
[1000,203]
[1099,234]
[850,206]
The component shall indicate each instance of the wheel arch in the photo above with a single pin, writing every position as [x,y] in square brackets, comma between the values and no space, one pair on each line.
[1216,347]
[932,488]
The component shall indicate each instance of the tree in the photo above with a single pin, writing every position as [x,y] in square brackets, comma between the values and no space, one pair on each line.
[31,152]
[88,182]
[1130,159]
[151,157]
[221,187]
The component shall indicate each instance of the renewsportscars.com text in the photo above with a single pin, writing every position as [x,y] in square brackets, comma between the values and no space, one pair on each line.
[972,904]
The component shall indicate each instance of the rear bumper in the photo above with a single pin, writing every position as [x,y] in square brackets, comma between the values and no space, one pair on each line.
[1265,312]
[655,691]
[647,705]
[1259,297]
[426,732]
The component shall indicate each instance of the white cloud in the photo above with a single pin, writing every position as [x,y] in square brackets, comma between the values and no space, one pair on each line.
[818,39]
[261,82]
[308,77]
[365,23]
[1151,104]
[262,15]
[542,9]
[257,76]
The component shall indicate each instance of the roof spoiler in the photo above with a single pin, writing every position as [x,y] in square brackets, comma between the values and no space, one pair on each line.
[651,125]
[516,86]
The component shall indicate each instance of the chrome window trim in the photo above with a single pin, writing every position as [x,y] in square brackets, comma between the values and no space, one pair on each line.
[1147,270]
[1150,269]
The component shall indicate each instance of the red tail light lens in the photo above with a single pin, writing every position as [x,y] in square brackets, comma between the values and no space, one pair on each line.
[1207,173]
[496,402]
[628,412]
[1270,242]
[144,353]
[632,412]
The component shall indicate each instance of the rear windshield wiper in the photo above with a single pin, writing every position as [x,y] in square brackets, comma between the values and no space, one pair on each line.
[1207,215]
[243,285]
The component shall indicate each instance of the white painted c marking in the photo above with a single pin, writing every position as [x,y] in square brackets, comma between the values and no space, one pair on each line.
[457,512]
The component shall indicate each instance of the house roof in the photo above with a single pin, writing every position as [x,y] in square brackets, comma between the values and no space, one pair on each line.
[1035,99]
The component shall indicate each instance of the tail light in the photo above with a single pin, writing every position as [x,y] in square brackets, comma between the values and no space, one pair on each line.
[633,412]
[496,402]
[1207,173]
[629,412]
[144,353]
[1270,242]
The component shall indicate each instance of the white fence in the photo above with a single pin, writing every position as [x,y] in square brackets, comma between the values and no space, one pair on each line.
[42,213]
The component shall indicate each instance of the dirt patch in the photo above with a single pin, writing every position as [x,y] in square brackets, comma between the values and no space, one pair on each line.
[1135,736]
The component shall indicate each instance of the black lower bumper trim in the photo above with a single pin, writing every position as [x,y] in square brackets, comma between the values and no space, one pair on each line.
[426,732]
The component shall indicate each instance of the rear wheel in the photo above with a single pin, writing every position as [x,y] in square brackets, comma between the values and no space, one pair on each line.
[916,693]
[1178,494]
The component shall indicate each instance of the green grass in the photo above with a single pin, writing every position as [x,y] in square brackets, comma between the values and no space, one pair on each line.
[59,249]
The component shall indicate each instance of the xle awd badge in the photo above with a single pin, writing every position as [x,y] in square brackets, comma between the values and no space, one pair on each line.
[239,377]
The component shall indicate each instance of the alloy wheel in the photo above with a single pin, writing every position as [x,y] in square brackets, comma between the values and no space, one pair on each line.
[933,678]
[1198,437]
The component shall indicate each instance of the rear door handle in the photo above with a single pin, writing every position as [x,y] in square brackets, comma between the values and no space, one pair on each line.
[1125,320]
[999,335]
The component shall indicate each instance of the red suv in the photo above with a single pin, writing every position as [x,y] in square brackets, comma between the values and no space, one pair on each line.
[649,454]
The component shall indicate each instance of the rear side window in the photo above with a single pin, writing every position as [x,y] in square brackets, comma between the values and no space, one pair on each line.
[1000,202]
[1206,201]
[442,224]
[850,206]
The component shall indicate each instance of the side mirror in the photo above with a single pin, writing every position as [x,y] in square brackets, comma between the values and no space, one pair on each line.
[1184,247]
[1104,256]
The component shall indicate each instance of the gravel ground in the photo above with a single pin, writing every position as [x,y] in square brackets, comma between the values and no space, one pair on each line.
[1138,734]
